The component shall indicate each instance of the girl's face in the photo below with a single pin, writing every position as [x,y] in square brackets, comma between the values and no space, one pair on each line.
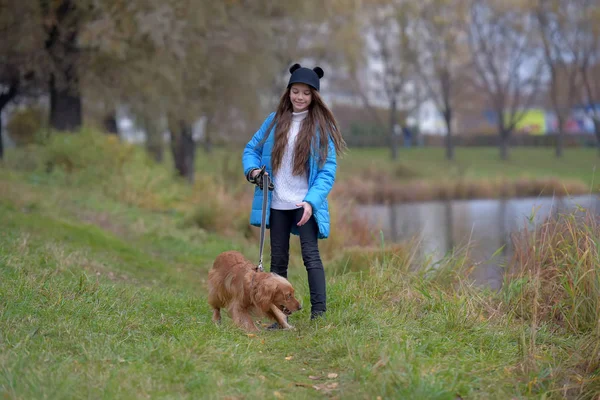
[301,97]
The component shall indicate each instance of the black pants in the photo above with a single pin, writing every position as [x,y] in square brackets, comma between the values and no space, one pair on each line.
[280,225]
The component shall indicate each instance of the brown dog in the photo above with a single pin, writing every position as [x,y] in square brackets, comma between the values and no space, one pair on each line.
[234,284]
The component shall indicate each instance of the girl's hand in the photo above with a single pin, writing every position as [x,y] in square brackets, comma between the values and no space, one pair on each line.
[256,172]
[307,212]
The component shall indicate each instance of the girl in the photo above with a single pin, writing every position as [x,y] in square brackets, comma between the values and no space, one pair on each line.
[297,145]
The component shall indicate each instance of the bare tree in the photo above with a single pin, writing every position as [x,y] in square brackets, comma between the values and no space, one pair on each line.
[391,28]
[563,36]
[509,70]
[590,63]
[441,49]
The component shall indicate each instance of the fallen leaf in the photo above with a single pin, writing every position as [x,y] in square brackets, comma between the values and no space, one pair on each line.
[262,378]
[289,358]
[251,335]
[332,375]
[278,395]
[314,378]
[378,397]
[326,387]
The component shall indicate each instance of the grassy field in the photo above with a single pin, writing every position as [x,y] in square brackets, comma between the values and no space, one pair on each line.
[474,162]
[470,162]
[102,295]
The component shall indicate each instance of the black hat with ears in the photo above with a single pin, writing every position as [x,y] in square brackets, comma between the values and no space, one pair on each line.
[305,75]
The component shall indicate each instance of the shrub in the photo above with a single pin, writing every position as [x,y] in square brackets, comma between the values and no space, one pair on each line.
[96,154]
[26,124]
[555,273]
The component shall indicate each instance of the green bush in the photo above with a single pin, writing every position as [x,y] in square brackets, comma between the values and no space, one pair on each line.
[86,151]
[25,125]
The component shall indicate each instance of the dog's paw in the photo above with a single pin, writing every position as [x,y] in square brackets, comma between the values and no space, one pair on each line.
[290,328]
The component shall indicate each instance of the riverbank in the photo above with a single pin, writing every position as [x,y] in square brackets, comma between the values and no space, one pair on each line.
[369,176]
[102,273]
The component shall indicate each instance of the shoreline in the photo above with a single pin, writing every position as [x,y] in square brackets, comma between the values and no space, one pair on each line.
[416,191]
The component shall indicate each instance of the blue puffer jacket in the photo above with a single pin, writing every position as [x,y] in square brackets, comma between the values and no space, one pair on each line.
[320,179]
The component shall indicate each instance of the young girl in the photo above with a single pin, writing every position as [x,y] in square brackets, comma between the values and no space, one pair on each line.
[297,145]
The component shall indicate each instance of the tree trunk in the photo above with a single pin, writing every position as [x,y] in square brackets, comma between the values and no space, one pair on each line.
[597,130]
[1,139]
[449,146]
[504,145]
[62,31]
[504,133]
[208,143]
[5,98]
[393,134]
[184,151]
[560,137]
[65,106]
[110,124]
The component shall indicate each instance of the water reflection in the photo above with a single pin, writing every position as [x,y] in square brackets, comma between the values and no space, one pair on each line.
[484,225]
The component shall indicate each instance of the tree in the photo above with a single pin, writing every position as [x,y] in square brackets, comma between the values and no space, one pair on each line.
[228,69]
[441,50]
[504,55]
[5,97]
[20,55]
[561,29]
[590,63]
[62,23]
[390,25]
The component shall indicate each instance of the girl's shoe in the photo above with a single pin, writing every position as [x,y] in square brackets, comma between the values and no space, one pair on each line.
[317,314]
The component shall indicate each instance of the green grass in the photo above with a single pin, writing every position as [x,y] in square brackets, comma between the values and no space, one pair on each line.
[102,295]
[430,163]
[73,330]
[484,162]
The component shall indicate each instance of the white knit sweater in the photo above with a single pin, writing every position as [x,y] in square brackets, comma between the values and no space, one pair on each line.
[290,189]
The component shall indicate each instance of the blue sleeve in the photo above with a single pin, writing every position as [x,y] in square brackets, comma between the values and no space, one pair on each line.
[323,184]
[253,151]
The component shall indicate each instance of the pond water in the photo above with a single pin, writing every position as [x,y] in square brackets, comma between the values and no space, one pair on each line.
[484,225]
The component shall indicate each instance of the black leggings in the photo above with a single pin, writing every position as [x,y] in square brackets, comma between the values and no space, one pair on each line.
[280,225]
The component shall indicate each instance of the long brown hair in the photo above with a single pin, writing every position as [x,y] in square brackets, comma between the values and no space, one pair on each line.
[319,116]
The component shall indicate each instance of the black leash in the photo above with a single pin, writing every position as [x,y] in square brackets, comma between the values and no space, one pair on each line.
[263,181]
[263,223]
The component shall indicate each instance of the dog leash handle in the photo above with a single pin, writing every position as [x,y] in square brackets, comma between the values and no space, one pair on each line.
[263,223]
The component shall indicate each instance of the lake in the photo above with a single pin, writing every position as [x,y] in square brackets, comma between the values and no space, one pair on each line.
[484,225]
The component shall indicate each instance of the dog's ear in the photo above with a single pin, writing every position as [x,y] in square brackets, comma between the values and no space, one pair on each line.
[264,292]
